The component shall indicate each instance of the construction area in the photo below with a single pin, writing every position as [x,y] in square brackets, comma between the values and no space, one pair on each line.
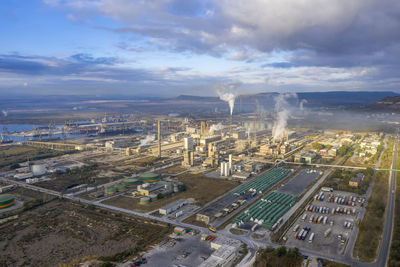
[267,211]
[328,223]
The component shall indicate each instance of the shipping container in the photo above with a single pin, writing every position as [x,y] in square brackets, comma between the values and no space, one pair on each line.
[327,232]
[296,228]
[300,234]
[310,240]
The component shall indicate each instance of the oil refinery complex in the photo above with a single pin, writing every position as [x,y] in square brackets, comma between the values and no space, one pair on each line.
[222,184]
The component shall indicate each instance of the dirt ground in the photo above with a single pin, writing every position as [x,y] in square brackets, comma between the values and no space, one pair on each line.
[64,232]
[201,188]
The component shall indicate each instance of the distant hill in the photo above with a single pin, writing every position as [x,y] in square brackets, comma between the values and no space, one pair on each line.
[333,99]
[389,104]
[198,98]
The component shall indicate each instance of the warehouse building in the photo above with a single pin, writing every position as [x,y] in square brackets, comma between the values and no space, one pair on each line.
[171,207]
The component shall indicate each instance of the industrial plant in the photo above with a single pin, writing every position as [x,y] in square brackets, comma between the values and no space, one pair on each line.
[216,183]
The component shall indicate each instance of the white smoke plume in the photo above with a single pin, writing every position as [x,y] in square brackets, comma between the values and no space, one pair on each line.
[302,102]
[227,93]
[5,113]
[215,127]
[147,140]
[283,112]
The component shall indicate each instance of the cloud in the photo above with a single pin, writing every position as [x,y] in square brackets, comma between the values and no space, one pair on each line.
[336,31]
[89,59]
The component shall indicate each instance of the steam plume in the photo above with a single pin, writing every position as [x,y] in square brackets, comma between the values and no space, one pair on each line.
[215,127]
[283,113]
[5,113]
[226,92]
[302,102]
[147,140]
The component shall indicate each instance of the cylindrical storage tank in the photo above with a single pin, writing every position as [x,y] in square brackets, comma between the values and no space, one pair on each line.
[131,182]
[111,190]
[176,188]
[38,169]
[144,200]
[149,177]
[6,201]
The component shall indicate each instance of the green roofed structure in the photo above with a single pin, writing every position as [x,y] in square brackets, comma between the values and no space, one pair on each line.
[267,211]
[6,201]
[264,182]
[149,177]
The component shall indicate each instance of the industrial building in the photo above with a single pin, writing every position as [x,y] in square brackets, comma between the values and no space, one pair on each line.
[171,207]
[188,143]
[147,189]
[179,230]
[188,158]
[7,188]
[225,251]
[305,157]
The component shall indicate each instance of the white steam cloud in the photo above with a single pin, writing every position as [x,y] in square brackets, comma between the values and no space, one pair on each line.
[147,140]
[215,127]
[302,102]
[283,113]
[5,113]
[227,93]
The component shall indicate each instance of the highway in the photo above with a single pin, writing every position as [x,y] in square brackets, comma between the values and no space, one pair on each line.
[384,249]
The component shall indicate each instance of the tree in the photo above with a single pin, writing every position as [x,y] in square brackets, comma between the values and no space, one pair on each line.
[281,251]
[317,146]
[342,150]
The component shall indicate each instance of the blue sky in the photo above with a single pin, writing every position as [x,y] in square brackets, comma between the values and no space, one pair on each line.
[172,47]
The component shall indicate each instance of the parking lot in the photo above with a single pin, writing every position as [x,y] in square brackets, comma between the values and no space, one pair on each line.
[338,214]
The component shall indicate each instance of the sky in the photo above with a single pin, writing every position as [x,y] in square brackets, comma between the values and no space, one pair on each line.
[173,47]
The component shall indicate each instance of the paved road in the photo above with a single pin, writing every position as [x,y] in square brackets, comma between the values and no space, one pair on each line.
[388,229]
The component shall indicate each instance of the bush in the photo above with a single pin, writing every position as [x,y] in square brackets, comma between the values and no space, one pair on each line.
[106,264]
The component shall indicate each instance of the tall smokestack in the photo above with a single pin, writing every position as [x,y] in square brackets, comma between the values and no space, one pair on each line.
[255,125]
[159,139]
[230,130]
